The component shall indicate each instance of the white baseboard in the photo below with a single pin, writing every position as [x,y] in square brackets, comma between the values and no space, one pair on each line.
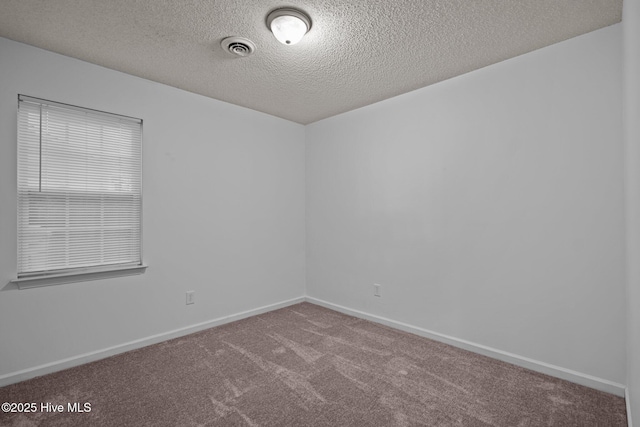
[542,367]
[627,398]
[525,362]
[70,362]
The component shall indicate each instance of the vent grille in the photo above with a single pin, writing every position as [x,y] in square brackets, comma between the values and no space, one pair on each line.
[238,46]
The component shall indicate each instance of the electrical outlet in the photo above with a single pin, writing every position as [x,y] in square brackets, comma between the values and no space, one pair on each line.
[376,290]
[191,297]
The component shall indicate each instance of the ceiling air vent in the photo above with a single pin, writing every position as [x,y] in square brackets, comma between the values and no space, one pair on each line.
[238,46]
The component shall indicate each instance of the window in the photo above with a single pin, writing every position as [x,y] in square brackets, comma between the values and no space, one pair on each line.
[79,190]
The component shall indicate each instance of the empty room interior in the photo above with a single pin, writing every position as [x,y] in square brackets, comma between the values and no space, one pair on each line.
[399,213]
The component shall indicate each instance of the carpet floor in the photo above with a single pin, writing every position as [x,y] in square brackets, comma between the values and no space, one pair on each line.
[305,365]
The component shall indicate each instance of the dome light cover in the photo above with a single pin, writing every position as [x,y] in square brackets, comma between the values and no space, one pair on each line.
[288,25]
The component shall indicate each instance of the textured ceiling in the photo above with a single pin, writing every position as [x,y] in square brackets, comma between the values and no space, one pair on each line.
[358,52]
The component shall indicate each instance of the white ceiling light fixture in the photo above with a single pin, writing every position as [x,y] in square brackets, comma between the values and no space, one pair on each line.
[288,25]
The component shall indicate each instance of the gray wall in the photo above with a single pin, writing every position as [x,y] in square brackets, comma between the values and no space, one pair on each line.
[631,26]
[223,214]
[490,207]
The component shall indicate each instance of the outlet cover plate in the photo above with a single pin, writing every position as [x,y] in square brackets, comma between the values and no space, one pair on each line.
[191,297]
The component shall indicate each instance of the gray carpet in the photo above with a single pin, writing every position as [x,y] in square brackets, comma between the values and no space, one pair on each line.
[308,366]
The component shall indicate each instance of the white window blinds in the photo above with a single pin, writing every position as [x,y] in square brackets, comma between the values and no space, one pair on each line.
[79,189]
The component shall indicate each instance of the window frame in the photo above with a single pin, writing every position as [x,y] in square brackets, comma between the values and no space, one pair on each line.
[94,272]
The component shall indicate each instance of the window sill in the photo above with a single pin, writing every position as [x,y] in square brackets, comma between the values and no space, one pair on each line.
[81,276]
